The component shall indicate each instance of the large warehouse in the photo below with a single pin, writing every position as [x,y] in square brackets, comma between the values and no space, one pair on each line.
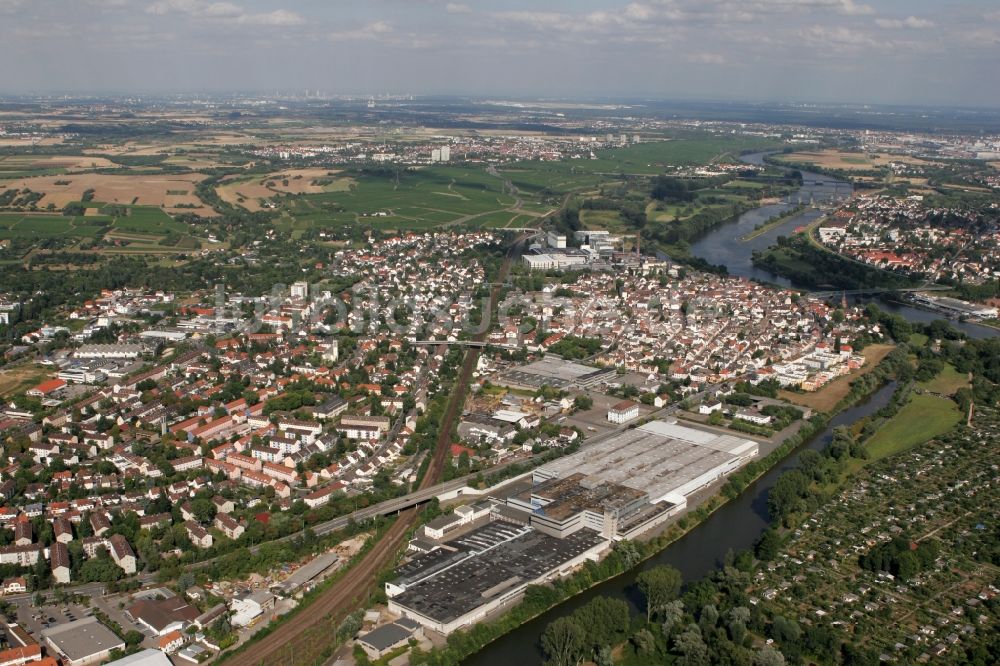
[663,459]
[555,372]
[467,578]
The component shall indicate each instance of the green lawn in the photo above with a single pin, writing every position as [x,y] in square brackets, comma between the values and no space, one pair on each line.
[923,418]
[947,382]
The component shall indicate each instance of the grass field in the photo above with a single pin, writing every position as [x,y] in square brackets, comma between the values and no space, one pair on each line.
[922,419]
[947,382]
[827,397]
[602,219]
[19,378]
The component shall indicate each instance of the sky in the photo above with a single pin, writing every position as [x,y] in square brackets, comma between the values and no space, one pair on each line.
[935,52]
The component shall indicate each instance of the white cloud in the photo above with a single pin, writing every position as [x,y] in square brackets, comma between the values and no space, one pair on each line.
[909,22]
[376,30]
[224,12]
[277,17]
[707,58]
[457,8]
[841,36]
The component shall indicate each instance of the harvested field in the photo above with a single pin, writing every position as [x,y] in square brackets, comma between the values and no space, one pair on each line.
[847,161]
[28,142]
[827,397]
[148,190]
[37,162]
[299,181]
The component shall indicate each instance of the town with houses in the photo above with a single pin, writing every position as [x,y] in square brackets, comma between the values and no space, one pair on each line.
[905,235]
[178,440]
[183,471]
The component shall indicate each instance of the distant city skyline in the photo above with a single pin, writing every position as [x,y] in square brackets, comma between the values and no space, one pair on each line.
[917,52]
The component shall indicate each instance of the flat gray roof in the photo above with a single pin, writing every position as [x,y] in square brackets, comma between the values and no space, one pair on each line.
[386,636]
[82,638]
[148,657]
[308,571]
[659,458]
[498,556]
[556,372]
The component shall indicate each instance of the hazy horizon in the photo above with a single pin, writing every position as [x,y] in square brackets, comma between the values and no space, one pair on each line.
[891,52]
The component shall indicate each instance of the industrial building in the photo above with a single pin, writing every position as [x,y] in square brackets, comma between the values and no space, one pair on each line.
[389,637]
[466,579]
[560,507]
[306,575]
[954,307]
[555,372]
[82,642]
[666,460]
[109,351]
[552,260]
[572,510]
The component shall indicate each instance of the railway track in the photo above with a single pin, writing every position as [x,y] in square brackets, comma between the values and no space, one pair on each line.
[283,646]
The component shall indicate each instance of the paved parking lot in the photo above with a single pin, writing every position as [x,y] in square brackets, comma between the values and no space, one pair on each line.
[594,421]
[36,620]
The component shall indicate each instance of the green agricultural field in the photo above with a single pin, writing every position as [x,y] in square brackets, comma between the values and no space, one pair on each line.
[745,184]
[149,219]
[418,199]
[143,227]
[923,418]
[652,158]
[31,225]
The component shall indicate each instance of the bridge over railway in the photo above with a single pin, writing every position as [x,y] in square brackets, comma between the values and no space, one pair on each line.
[474,344]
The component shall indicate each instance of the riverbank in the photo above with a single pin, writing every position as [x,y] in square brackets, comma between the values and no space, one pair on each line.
[625,558]
[774,222]
[731,520]
[828,397]
[464,645]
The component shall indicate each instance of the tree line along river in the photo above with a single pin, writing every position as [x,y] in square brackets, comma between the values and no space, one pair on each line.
[739,523]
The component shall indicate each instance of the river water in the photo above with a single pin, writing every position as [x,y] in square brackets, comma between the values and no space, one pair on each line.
[723,245]
[735,526]
[739,523]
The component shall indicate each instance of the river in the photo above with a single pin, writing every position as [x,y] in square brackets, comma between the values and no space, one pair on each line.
[733,527]
[739,523]
[724,245]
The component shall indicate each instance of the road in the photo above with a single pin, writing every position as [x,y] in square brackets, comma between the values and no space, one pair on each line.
[348,592]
